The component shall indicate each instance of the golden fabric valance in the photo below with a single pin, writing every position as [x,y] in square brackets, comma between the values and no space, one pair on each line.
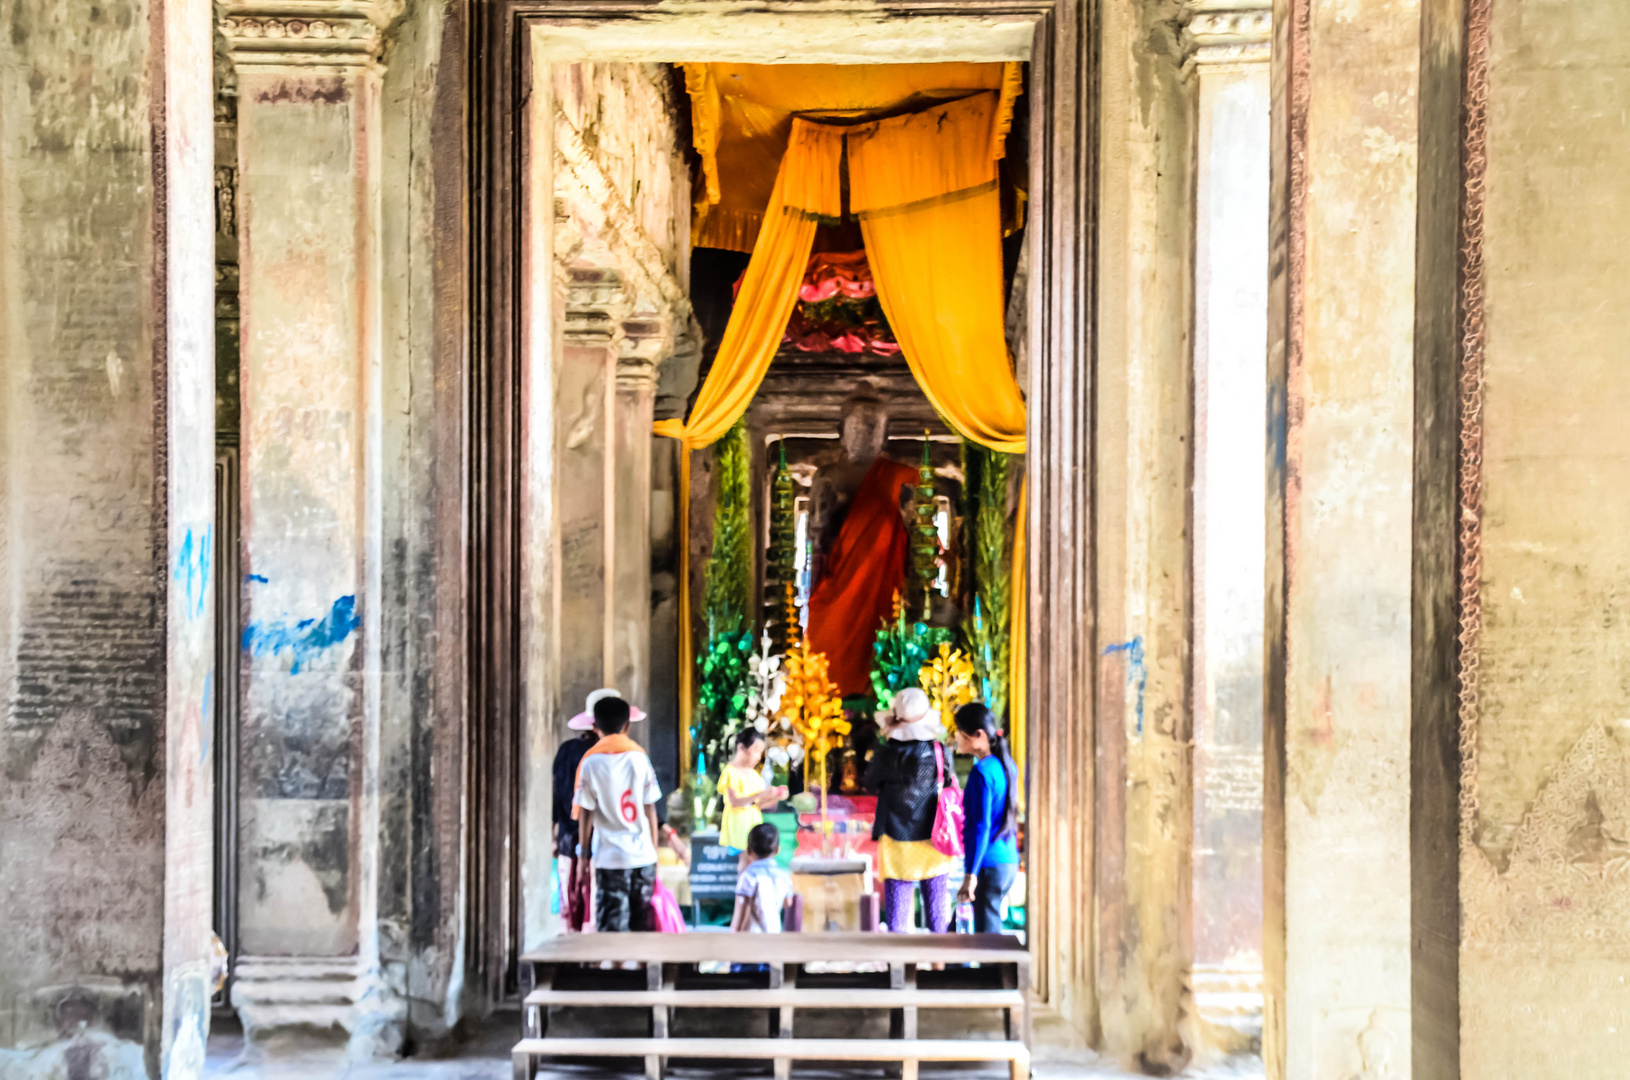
[923,156]
[741,115]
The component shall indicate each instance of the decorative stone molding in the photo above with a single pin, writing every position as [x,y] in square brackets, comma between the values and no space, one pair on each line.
[646,342]
[319,994]
[1562,885]
[595,199]
[343,33]
[1228,32]
[596,304]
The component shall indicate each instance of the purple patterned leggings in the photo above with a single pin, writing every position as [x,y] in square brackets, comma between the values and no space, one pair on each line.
[897,914]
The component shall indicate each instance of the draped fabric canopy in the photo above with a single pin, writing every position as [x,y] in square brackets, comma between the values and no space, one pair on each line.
[741,115]
[806,190]
[924,188]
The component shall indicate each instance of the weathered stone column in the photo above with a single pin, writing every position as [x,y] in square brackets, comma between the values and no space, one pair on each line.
[1143,437]
[646,343]
[309,160]
[106,538]
[585,482]
[1341,367]
[1228,69]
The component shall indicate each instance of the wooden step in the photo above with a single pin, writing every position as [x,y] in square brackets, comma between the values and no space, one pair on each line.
[769,1049]
[804,948]
[811,998]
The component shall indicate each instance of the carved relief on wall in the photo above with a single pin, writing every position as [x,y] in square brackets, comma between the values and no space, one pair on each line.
[1567,882]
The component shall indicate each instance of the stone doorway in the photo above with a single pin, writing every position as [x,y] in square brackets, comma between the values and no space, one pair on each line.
[520,685]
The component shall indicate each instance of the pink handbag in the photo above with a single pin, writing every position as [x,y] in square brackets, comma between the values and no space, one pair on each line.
[665,911]
[947,836]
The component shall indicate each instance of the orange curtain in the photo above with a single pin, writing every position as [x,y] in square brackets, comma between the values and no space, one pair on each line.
[806,191]
[924,188]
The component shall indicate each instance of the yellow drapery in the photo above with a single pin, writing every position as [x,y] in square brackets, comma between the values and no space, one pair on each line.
[741,113]
[806,191]
[924,189]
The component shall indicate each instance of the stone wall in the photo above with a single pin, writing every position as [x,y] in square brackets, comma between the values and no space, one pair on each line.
[1546,907]
[1143,719]
[1337,840]
[352,736]
[422,650]
[106,546]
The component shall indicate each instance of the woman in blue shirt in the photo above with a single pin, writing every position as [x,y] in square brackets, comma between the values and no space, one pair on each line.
[990,854]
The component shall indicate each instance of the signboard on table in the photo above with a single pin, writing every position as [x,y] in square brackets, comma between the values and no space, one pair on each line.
[712,868]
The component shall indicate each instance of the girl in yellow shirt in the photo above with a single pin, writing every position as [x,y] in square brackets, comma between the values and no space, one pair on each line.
[745,796]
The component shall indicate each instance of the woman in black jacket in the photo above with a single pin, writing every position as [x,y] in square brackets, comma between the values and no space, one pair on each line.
[907,774]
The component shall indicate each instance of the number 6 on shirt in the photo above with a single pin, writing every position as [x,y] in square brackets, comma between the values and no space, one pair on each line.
[626,807]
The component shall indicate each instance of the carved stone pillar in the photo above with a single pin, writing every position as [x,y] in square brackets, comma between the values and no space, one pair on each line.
[1344,210]
[646,342]
[585,479]
[1227,60]
[309,159]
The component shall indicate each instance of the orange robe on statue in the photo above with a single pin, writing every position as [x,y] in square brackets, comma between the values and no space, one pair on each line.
[859,576]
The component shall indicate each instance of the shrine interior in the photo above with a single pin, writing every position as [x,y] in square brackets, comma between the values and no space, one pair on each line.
[1228,395]
[838,414]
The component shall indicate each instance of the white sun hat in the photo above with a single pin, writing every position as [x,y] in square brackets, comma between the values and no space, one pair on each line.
[913,717]
[584,720]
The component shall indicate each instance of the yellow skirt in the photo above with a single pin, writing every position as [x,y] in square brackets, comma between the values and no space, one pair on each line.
[911,860]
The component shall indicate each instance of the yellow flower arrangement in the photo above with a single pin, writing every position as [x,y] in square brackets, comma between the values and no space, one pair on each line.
[948,680]
[812,705]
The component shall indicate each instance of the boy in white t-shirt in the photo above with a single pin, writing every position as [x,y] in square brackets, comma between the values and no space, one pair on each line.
[763,886]
[616,799]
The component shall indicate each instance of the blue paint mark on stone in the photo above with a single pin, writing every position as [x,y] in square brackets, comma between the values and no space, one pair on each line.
[192,568]
[260,578]
[206,722]
[1135,670]
[304,639]
[1276,427]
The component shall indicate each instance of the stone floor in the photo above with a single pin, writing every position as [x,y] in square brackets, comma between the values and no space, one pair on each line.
[485,1056]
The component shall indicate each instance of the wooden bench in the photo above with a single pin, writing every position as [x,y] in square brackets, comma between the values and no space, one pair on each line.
[669,962]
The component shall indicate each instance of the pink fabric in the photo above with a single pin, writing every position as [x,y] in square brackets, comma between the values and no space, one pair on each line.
[948,814]
[665,910]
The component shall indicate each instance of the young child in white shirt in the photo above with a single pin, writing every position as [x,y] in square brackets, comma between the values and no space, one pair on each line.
[763,886]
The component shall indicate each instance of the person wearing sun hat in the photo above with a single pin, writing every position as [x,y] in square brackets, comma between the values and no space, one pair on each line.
[565,771]
[907,773]
[617,793]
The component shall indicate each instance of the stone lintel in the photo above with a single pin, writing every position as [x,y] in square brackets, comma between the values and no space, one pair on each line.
[306,33]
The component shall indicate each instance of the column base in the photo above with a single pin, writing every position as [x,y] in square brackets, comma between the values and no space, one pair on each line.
[1229,1001]
[315,1004]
